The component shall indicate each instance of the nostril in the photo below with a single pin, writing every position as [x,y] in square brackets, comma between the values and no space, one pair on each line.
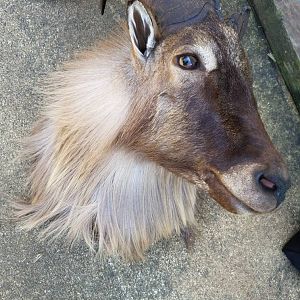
[267,183]
[275,185]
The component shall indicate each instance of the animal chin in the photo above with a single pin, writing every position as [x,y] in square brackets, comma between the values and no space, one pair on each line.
[219,192]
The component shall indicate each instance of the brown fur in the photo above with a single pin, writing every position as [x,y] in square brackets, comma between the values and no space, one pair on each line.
[120,148]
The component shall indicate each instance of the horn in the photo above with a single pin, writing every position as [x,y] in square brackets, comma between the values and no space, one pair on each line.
[102,5]
[173,14]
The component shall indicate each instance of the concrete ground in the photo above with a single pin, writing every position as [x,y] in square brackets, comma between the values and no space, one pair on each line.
[235,257]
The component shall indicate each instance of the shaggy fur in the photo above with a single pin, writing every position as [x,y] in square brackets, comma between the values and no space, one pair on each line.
[130,132]
[88,187]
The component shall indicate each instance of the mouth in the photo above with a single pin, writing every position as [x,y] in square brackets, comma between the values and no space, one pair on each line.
[219,192]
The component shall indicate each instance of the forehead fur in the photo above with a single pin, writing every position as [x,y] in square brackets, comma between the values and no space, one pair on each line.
[217,40]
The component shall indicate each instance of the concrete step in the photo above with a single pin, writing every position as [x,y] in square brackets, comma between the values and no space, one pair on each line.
[281,22]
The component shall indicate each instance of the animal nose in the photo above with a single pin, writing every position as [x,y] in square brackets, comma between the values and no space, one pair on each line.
[275,185]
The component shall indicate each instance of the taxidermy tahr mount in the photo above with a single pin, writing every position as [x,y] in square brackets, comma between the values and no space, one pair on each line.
[141,121]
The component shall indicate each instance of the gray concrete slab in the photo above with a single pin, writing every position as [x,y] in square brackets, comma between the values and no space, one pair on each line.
[234,257]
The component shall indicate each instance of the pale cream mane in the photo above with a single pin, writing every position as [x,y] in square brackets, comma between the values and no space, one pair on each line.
[113,198]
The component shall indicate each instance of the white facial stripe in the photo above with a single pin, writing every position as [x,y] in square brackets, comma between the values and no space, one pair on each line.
[208,57]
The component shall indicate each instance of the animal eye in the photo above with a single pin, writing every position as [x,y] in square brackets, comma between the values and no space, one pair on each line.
[187,61]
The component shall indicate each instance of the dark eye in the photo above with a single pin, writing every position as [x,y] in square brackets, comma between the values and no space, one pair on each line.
[187,61]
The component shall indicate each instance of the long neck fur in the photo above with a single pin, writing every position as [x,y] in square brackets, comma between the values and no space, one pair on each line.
[113,198]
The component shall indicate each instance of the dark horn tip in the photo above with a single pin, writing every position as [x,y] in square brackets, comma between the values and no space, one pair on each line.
[102,4]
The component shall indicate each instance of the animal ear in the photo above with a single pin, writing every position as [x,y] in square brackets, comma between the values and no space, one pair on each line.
[143,29]
[239,21]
